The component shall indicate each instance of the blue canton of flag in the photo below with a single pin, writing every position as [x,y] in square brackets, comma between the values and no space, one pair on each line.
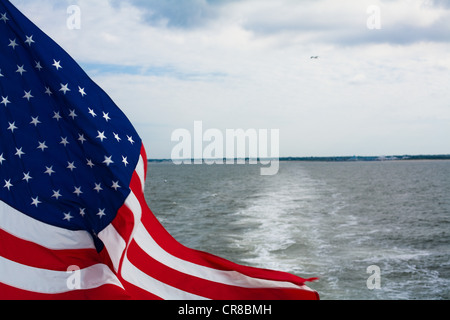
[67,153]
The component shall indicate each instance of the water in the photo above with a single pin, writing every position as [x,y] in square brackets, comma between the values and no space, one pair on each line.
[330,220]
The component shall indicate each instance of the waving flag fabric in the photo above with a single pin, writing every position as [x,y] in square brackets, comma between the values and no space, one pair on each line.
[73,220]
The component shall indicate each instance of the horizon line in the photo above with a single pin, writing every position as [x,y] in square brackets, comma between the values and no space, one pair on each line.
[323,158]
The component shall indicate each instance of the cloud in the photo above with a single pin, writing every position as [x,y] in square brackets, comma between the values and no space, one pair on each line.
[345,22]
[437,3]
[184,14]
[246,64]
[172,34]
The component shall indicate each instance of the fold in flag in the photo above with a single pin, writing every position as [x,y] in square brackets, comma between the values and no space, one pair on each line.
[74,223]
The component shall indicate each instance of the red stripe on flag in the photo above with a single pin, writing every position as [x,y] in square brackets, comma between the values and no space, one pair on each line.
[144,157]
[137,293]
[106,292]
[209,289]
[33,255]
[124,223]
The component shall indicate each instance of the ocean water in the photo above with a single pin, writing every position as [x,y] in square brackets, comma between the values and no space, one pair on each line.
[328,220]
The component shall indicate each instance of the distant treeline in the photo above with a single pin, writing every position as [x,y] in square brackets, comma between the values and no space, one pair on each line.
[347,159]
[359,158]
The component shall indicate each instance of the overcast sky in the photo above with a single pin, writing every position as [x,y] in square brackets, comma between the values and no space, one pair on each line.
[247,64]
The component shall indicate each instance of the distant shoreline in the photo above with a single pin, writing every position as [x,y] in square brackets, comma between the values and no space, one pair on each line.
[343,159]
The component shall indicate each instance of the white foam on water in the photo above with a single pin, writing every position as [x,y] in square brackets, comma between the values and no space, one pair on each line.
[274,225]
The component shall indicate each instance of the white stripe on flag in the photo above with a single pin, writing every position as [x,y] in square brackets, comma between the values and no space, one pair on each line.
[26,228]
[140,279]
[133,204]
[140,170]
[145,241]
[53,282]
[114,244]
[113,241]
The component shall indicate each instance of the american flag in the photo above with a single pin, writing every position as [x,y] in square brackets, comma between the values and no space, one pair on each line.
[74,223]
